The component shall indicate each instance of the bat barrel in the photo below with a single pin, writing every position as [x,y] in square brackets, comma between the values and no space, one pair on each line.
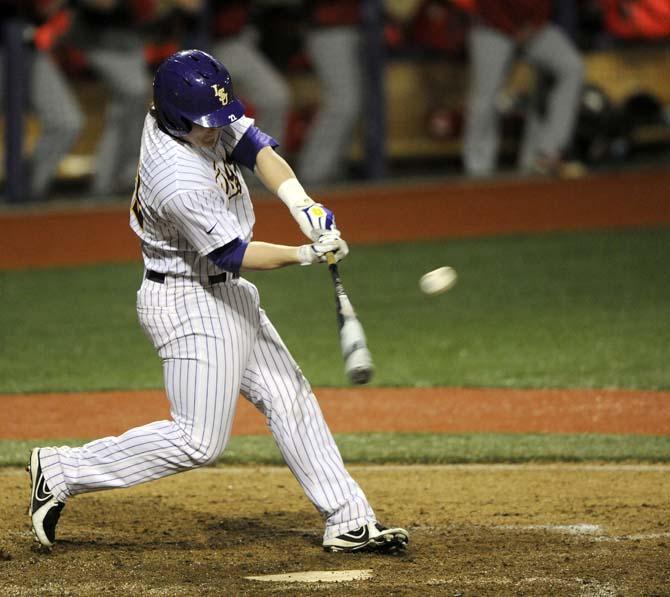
[357,358]
[359,366]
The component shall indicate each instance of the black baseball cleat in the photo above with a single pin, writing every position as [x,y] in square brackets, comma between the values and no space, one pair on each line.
[44,508]
[370,537]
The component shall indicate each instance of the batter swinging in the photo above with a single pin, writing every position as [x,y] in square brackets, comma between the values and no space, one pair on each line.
[192,212]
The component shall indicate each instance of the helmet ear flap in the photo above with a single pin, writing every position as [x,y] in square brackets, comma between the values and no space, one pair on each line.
[188,125]
[180,129]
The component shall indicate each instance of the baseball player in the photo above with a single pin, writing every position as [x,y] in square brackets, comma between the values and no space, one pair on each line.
[192,212]
[110,34]
[503,31]
[48,93]
[333,44]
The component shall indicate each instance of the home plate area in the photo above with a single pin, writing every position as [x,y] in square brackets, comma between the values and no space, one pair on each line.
[315,576]
[584,530]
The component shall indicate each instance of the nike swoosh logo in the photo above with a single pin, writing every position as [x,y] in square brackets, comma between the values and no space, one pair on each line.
[362,535]
[212,228]
[41,495]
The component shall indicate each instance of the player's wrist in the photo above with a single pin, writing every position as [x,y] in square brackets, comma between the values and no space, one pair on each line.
[305,255]
[294,196]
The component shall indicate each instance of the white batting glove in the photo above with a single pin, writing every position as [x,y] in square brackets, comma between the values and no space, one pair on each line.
[315,220]
[316,252]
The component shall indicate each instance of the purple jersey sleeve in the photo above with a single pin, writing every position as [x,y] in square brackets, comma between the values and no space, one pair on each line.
[249,145]
[229,257]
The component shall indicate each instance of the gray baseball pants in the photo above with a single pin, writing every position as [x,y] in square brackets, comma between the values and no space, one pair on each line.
[123,71]
[255,77]
[60,119]
[336,58]
[491,56]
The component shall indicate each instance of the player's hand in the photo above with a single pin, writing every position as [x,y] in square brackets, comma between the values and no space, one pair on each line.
[316,252]
[315,220]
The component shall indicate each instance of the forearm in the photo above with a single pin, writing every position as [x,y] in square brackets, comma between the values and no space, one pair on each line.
[265,256]
[313,218]
[272,169]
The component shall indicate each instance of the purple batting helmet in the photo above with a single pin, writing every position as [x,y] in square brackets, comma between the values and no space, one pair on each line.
[193,87]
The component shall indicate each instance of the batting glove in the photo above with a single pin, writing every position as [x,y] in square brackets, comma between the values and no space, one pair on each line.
[316,252]
[315,220]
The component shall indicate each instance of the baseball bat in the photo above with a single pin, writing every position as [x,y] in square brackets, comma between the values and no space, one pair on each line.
[357,358]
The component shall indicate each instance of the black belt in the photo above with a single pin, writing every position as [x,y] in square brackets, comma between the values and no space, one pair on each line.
[160,278]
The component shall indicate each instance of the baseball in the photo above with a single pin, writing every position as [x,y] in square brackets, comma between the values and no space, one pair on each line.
[438,281]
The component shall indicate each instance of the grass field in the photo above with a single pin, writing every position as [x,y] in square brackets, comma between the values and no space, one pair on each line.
[563,310]
[428,448]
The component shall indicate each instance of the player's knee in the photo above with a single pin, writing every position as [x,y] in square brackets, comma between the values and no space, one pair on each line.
[74,125]
[199,451]
[295,406]
[134,91]
[576,68]
[275,101]
[279,95]
[66,128]
[346,109]
[482,107]
[202,454]
[571,67]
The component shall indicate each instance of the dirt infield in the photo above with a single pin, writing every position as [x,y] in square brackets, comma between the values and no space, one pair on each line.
[475,530]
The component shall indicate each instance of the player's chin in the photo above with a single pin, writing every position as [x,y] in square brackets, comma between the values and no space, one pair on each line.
[210,140]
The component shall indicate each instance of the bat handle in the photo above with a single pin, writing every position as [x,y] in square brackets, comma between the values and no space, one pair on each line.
[330,258]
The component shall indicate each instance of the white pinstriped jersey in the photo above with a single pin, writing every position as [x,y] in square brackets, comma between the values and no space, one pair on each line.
[189,201]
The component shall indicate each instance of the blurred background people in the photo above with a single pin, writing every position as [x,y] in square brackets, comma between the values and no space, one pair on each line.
[639,19]
[333,45]
[318,50]
[175,25]
[110,33]
[234,41]
[501,33]
[48,92]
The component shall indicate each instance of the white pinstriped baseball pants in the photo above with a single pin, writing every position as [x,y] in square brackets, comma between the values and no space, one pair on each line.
[215,343]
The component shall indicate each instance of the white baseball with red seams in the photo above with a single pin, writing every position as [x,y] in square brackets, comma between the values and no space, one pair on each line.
[438,281]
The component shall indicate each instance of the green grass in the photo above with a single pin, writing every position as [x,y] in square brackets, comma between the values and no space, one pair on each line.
[429,448]
[562,310]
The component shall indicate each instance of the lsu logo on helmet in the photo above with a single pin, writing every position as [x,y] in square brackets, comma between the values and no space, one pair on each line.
[221,93]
